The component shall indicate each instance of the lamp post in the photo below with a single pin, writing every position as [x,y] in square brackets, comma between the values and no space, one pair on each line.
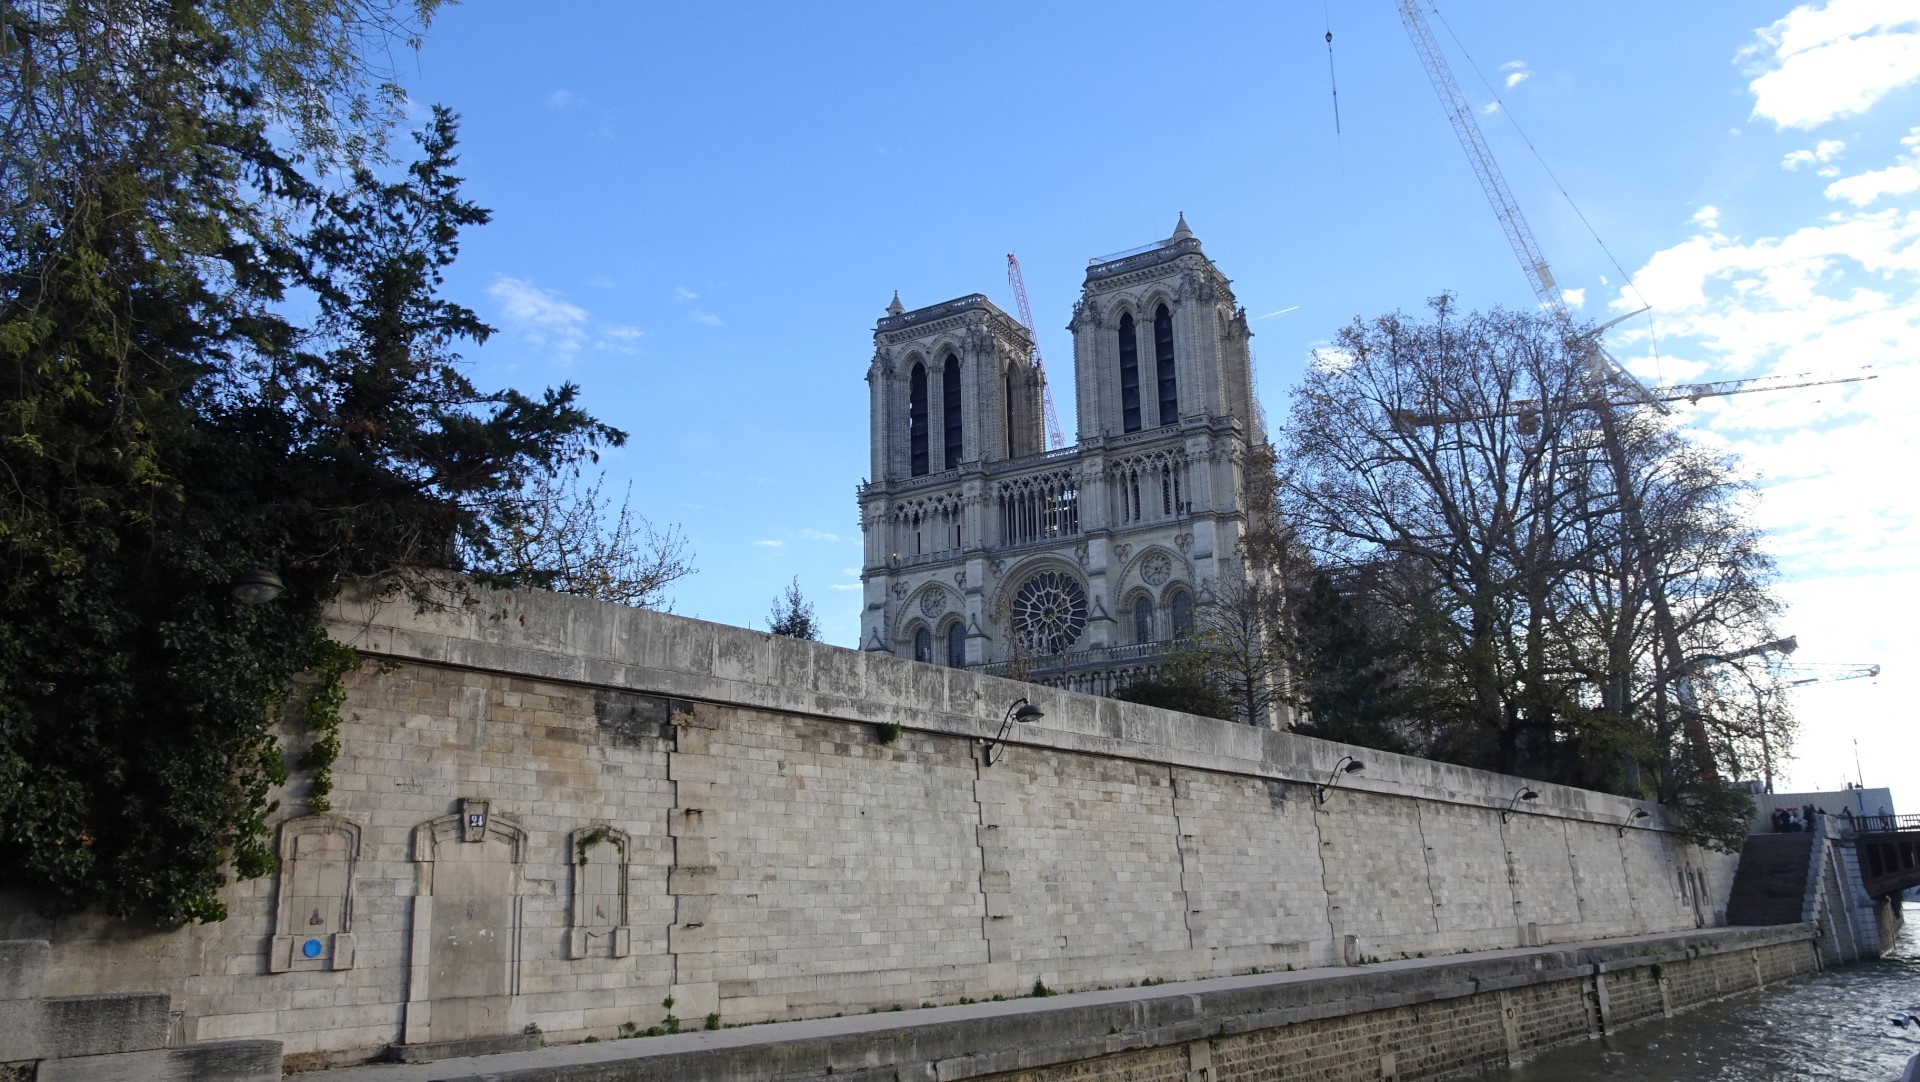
[1506,814]
[1633,817]
[256,587]
[1347,765]
[1020,711]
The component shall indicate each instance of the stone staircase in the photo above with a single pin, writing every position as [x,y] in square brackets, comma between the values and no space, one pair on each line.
[117,1037]
[1771,884]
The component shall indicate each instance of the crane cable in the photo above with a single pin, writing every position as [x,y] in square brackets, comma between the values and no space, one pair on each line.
[1332,80]
[1653,333]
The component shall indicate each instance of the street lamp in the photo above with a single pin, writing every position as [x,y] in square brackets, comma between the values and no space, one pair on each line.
[1347,765]
[1021,711]
[256,587]
[1633,817]
[1525,793]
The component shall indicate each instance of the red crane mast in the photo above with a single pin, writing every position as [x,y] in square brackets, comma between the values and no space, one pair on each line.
[1055,438]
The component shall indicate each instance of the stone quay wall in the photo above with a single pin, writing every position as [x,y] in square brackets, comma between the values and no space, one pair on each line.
[559,814]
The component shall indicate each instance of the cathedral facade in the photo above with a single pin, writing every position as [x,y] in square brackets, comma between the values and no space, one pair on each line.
[1079,567]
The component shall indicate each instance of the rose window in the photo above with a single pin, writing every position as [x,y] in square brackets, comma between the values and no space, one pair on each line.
[1050,612]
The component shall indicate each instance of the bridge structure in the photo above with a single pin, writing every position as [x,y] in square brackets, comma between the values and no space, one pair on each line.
[1889,849]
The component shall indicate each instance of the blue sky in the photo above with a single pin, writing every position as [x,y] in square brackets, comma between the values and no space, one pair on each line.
[700,210]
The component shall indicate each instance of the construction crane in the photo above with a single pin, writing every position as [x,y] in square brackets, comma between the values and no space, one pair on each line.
[1613,386]
[1527,410]
[1800,674]
[1055,438]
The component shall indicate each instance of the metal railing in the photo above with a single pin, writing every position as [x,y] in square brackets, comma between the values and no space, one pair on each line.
[1881,824]
[934,311]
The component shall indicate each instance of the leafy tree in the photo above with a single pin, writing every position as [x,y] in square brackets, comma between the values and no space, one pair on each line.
[1347,670]
[792,615]
[166,423]
[1560,571]
[1184,683]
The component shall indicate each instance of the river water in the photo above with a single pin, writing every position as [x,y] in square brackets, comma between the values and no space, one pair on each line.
[1835,1026]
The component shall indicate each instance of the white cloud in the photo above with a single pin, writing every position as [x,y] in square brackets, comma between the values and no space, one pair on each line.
[707,318]
[1279,312]
[1707,217]
[1864,188]
[1819,63]
[1899,179]
[682,294]
[1575,298]
[565,99]
[1517,72]
[1490,108]
[819,535]
[619,338]
[844,586]
[540,317]
[1824,151]
[771,543]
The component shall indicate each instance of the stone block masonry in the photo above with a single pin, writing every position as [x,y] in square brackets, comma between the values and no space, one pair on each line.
[1410,1019]
[587,819]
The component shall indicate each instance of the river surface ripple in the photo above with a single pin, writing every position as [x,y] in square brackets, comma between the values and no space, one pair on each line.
[1835,1026]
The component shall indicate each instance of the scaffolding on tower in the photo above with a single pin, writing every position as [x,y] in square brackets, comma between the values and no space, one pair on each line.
[1055,438]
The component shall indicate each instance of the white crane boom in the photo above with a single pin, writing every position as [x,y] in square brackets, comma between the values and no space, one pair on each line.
[1460,114]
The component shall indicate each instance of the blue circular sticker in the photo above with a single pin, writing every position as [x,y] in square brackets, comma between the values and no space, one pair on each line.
[311,948]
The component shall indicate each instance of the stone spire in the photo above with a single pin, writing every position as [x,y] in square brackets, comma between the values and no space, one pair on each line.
[895,308]
[1180,231]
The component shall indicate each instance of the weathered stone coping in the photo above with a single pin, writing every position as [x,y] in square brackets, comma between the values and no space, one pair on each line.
[543,636]
[973,1040]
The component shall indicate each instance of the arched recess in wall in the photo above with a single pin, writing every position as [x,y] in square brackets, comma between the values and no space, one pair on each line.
[1140,622]
[600,858]
[1180,611]
[1129,375]
[950,409]
[956,640]
[922,644]
[313,910]
[1163,366]
[917,420]
[467,923]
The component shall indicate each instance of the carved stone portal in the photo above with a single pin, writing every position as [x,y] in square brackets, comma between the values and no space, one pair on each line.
[313,917]
[465,962]
[599,893]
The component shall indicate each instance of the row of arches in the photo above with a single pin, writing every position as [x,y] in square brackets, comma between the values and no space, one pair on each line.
[953,636]
[918,426]
[927,526]
[1150,488]
[951,427]
[1172,618]
[1164,391]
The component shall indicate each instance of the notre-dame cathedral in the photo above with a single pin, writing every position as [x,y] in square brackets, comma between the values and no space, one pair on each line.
[1079,567]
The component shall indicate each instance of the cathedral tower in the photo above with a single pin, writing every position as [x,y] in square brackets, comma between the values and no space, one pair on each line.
[1079,567]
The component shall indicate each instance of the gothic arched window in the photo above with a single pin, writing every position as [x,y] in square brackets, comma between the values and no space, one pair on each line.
[1143,619]
[917,419]
[923,645]
[1182,606]
[1129,376]
[950,405]
[1163,365]
[957,645]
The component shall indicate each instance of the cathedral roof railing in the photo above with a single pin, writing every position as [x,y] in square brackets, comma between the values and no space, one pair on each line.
[1163,252]
[970,302]
[1082,659]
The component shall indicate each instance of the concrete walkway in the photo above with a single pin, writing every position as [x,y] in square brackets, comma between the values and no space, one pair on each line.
[847,1043]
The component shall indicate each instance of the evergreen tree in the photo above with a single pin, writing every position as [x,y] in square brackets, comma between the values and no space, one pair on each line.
[166,424]
[792,615]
